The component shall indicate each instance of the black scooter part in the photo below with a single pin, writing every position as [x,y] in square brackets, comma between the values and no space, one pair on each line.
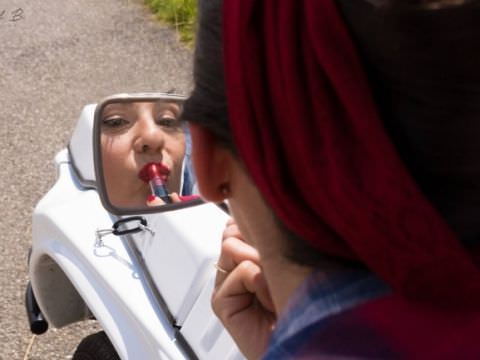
[38,324]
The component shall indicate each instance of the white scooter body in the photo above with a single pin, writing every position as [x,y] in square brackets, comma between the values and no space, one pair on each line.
[150,292]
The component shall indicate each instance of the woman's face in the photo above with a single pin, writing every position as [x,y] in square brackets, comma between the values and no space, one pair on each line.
[136,134]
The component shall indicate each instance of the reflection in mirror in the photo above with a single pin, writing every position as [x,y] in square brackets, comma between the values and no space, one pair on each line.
[145,153]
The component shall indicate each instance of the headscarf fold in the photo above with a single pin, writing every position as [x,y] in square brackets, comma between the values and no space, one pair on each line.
[307,128]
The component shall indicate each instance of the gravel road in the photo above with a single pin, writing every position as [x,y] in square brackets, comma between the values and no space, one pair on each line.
[55,57]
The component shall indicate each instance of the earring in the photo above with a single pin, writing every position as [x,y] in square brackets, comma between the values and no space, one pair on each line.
[225,189]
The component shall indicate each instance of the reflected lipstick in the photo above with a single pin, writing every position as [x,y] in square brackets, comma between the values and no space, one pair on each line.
[155,175]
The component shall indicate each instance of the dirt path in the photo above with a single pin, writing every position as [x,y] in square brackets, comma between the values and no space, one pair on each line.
[55,57]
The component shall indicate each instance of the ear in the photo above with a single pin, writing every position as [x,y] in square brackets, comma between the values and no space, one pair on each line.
[212,162]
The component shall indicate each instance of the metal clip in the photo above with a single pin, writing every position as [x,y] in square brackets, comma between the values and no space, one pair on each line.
[117,228]
[100,233]
[145,227]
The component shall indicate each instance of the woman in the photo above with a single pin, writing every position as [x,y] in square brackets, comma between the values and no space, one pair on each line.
[344,136]
[136,136]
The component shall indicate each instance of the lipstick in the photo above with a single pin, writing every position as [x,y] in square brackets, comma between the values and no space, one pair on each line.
[155,174]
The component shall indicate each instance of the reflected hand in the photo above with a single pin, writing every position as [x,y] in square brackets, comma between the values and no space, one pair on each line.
[241,298]
[156,201]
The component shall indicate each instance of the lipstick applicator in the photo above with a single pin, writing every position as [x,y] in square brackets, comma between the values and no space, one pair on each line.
[157,185]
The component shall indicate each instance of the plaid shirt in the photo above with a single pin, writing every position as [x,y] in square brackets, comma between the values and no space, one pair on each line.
[320,299]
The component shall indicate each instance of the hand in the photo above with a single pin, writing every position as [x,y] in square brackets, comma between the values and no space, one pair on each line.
[156,201]
[241,298]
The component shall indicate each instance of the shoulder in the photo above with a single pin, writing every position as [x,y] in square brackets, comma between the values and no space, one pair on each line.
[385,328]
[344,335]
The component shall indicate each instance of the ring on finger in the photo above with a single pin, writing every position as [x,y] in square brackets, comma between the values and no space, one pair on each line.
[220,269]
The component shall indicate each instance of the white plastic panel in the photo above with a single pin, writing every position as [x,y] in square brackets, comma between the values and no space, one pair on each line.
[81,144]
[180,256]
[107,278]
[204,332]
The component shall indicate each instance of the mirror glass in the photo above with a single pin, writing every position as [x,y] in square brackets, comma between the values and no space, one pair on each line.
[143,158]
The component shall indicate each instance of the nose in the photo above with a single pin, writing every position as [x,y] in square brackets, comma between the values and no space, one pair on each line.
[150,137]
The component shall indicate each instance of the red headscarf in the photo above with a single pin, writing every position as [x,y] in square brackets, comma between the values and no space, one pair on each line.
[308,131]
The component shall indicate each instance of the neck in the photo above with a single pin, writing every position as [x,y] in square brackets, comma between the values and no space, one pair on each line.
[260,229]
[283,278]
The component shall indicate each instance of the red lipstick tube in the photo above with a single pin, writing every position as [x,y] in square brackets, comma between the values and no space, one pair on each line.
[157,185]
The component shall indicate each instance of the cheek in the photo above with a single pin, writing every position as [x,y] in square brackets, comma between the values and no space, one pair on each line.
[177,149]
[114,158]
[180,154]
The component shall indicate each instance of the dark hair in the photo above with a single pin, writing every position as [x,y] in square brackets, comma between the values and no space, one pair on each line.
[207,104]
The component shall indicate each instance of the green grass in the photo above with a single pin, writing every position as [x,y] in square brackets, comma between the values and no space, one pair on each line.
[181,14]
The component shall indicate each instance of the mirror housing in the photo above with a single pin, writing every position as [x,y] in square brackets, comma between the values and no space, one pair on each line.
[104,126]
[80,147]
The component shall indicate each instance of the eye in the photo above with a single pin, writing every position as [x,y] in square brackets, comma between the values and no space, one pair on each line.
[114,123]
[168,122]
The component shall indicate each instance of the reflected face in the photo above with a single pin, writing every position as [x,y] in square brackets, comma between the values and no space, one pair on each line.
[133,135]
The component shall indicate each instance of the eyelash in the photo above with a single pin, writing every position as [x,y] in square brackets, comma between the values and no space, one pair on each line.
[118,122]
[169,122]
[115,122]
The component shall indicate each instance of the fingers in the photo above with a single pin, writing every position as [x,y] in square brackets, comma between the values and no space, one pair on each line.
[231,230]
[156,201]
[175,198]
[243,284]
[241,298]
[233,252]
[244,306]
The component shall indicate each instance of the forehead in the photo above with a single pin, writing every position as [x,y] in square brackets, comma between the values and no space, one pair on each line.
[139,106]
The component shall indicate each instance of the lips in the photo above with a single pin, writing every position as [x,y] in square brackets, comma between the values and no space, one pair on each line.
[151,170]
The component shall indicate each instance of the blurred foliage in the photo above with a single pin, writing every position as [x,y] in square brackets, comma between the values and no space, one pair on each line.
[181,14]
